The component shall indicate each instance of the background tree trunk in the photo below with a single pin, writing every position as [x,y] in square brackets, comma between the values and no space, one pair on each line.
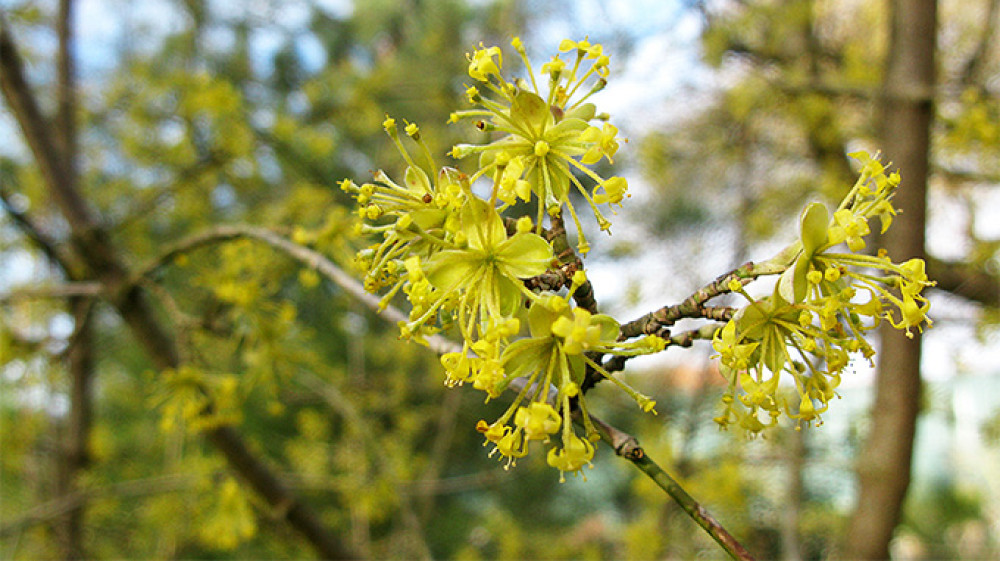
[907,112]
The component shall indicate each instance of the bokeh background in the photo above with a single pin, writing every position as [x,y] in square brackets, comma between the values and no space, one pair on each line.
[191,115]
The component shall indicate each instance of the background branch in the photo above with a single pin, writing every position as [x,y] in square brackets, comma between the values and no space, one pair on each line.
[88,289]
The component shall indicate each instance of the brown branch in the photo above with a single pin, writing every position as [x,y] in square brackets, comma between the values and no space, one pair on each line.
[75,454]
[570,263]
[55,171]
[684,339]
[52,250]
[658,322]
[66,85]
[965,280]
[66,290]
[974,71]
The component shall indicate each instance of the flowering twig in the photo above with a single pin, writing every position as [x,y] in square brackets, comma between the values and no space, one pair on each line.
[623,443]
[449,250]
[682,339]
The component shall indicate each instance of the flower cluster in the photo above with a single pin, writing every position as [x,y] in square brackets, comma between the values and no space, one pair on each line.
[546,136]
[823,304]
[462,267]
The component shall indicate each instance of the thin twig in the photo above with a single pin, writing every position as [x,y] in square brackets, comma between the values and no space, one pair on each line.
[58,507]
[30,228]
[658,322]
[627,446]
[308,257]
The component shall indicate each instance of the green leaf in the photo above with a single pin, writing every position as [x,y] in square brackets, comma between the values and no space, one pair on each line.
[567,127]
[509,296]
[609,327]
[786,284]
[773,349]
[752,320]
[577,368]
[429,218]
[524,356]
[584,112]
[793,285]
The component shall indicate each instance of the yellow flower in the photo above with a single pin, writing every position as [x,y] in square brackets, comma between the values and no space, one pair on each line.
[538,420]
[605,143]
[578,334]
[575,453]
[482,65]
[912,314]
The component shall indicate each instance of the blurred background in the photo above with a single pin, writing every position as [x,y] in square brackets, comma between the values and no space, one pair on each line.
[187,115]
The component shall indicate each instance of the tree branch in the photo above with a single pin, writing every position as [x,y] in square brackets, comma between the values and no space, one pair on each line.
[59,507]
[87,289]
[965,280]
[304,255]
[974,71]
[659,322]
[52,250]
[683,339]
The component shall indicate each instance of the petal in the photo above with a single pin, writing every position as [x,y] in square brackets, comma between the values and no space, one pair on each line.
[592,156]
[540,320]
